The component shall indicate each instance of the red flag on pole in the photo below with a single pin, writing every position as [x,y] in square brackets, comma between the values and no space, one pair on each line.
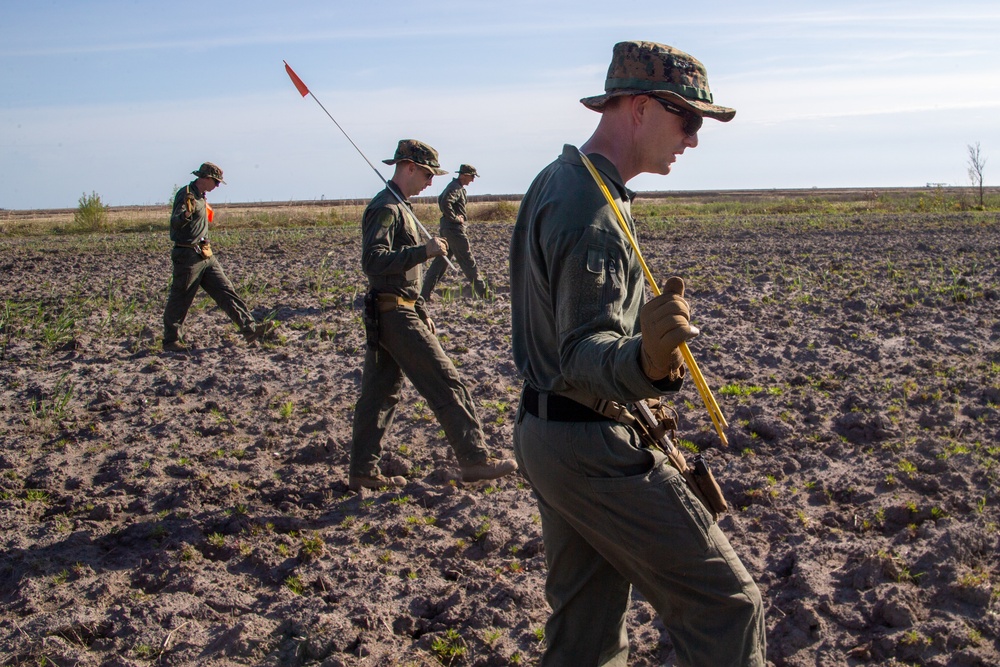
[301,87]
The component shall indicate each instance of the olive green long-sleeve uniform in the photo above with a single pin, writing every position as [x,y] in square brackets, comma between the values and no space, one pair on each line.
[391,257]
[452,202]
[191,270]
[614,513]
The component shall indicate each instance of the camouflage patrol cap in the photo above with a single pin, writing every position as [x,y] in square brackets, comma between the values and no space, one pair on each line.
[467,169]
[209,170]
[648,68]
[417,152]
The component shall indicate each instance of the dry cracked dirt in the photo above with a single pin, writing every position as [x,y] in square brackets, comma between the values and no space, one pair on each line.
[192,509]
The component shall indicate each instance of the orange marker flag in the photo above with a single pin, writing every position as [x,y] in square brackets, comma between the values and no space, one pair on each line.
[301,87]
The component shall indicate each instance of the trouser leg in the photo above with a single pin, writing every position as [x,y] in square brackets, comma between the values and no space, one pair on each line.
[461,249]
[187,271]
[221,289]
[594,476]
[588,597]
[381,384]
[433,275]
[417,351]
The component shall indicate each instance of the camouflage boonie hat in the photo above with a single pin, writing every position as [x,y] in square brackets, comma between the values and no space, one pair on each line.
[209,170]
[417,152]
[648,68]
[467,169]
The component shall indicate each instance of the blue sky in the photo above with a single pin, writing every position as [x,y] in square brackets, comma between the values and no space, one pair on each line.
[126,98]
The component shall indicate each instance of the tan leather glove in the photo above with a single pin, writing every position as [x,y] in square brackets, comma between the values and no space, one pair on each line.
[665,323]
[436,247]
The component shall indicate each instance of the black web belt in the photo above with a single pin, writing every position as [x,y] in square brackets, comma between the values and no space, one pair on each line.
[558,408]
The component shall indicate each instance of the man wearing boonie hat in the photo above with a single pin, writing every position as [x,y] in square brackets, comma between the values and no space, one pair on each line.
[195,265]
[616,514]
[401,336]
[452,202]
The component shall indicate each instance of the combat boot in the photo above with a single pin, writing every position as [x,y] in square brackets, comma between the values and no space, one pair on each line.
[176,346]
[374,481]
[489,469]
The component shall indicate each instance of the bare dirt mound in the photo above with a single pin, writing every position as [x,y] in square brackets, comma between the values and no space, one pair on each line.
[191,509]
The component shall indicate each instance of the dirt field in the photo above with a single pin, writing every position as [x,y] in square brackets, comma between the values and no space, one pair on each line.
[170,509]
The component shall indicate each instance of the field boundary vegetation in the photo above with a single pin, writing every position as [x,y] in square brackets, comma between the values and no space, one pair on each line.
[658,207]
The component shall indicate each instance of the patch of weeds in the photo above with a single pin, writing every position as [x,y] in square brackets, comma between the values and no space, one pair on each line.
[312,547]
[907,468]
[740,390]
[36,496]
[688,445]
[421,413]
[483,528]
[145,651]
[295,584]
[449,647]
[490,637]
[55,406]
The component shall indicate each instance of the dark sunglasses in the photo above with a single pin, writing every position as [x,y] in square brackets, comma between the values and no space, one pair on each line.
[692,121]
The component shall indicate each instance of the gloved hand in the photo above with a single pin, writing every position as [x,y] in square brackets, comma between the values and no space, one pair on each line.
[436,247]
[665,323]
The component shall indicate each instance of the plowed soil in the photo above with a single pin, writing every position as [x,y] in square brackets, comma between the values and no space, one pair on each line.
[192,509]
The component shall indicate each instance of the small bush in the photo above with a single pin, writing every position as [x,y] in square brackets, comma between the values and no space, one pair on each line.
[500,211]
[91,214]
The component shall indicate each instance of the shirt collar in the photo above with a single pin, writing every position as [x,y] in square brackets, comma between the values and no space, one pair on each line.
[571,154]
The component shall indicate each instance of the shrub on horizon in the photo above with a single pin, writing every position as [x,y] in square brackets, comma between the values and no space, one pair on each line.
[91,214]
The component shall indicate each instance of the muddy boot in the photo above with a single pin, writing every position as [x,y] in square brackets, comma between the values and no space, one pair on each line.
[488,469]
[176,346]
[374,481]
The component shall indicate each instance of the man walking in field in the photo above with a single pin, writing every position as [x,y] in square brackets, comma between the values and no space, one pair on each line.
[195,265]
[452,202]
[401,336]
[615,513]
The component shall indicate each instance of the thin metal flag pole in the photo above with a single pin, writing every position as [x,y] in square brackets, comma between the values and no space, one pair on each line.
[304,90]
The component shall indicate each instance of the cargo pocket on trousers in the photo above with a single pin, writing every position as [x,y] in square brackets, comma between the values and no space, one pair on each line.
[660,489]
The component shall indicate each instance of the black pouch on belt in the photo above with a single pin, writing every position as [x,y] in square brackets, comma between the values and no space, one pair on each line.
[371,318]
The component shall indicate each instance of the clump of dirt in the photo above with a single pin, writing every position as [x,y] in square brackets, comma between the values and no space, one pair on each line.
[192,509]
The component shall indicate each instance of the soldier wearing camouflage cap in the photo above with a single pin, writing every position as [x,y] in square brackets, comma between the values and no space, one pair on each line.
[617,514]
[196,266]
[401,338]
[452,202]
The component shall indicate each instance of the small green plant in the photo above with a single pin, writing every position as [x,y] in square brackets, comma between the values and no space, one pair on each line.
[482,529]
[217,540]
[295,584]
[449,647]
[286,410]
[91,214]
[145,651]
[312,547]
[36,496]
